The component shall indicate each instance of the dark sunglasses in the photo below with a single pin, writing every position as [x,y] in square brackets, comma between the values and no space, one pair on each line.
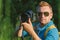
[45,13]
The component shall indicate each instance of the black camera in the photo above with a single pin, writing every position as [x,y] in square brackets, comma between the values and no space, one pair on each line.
[25,16]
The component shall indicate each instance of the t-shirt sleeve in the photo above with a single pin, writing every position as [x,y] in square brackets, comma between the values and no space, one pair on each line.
[25,33]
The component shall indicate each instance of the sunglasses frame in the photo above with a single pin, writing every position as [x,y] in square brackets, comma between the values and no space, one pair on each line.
[45,13]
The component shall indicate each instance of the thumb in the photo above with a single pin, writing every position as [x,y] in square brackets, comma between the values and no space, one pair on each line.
[29,21]
[23,24]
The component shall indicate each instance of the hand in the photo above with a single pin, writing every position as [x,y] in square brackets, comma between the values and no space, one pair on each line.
[28,26]
[20,32]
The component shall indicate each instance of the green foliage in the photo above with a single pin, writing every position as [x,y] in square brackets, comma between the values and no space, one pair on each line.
[1,9]
[58,14]
[11,9]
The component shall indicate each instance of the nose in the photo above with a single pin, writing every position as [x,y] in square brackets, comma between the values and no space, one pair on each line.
[42,15]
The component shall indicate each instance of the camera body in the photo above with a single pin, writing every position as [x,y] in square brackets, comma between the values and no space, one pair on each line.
[25,16]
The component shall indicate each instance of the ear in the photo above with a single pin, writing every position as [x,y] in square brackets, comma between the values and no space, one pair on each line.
[51,15]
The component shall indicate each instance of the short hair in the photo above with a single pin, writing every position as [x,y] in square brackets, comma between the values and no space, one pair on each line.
[43,3]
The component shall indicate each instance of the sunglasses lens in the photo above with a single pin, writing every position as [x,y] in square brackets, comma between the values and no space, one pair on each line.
[46,13]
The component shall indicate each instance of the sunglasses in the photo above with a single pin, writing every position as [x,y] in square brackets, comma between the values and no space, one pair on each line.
[45,14]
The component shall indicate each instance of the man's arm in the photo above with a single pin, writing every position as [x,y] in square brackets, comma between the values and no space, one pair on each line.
[29,28]
[34,35]
[20,31]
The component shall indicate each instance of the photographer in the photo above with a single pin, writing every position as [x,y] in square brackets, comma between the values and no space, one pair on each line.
[45,14]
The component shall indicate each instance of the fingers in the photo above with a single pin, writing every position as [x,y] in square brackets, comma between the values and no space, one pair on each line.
[24,24]
[22,27]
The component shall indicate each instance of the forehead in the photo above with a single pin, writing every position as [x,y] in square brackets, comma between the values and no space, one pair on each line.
[43,9]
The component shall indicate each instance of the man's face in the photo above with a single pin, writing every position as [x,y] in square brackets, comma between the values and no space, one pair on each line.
[44,14]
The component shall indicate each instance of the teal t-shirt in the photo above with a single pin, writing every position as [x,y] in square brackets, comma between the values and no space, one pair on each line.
[51,35]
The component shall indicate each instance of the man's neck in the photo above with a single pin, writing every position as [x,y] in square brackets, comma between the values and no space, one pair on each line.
[42,25]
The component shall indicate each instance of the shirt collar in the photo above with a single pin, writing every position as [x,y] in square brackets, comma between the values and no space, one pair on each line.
[46,26]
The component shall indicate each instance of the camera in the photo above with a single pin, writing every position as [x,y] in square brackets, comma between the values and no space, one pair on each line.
[25,16]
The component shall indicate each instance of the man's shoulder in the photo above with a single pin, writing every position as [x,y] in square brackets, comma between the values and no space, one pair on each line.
[53,33]
[52,29]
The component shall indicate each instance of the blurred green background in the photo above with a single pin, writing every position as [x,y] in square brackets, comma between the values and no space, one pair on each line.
[10,11]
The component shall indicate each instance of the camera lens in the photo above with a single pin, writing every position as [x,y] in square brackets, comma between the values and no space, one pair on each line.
[24,17]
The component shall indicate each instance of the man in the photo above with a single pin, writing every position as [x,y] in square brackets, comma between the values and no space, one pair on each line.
[45,15]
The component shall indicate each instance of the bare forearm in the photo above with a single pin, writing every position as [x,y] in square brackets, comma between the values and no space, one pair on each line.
[34,35]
